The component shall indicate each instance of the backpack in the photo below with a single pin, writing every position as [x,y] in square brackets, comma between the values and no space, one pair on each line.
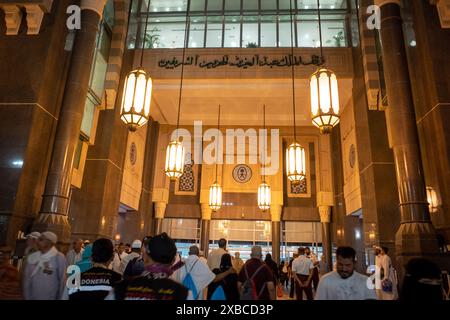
[218,294]
[188,282]
[248,290]
[134,268]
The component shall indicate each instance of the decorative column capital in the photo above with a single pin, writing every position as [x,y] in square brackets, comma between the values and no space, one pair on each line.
[325,214]
[160,209]
[206,211]
[35,13]
[13,18]
[443,7]
[93,5]
[275,212]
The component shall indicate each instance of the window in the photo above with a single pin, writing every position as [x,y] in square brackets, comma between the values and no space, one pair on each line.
[233,5]
[166,32]
[197,5]
[239,23]
[214,32]
[232,32]
[250,32]
[250,5]
[215,5]
[197,32]
[285,32]
[268,31]
[268,5]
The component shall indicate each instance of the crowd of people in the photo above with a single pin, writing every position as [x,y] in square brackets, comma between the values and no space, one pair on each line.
[152,269]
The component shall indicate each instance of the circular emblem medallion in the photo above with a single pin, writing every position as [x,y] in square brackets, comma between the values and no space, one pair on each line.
[242,173]
[133,153]
[352,156]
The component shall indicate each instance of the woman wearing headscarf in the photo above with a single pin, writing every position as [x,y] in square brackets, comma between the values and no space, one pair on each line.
[86,262]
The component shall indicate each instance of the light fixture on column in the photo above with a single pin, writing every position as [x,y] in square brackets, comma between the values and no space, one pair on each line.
[175,151]
[215,191]
[264,188]
[432,200]
[324,93]
[137,93]
[295,153]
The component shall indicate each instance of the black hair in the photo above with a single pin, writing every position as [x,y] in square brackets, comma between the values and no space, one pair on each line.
[222,243]
[268,257]
[102,250]
[161,248]
[225,262]
[346,252]
[301,251]
[385,249]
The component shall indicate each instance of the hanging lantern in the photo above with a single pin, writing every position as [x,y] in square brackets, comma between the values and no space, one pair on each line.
[175,160]
[215,196]
[264,196]
[324,100]
[432,200]
[295,163]
[137,95]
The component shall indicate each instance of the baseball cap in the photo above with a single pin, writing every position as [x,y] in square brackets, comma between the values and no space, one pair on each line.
[33,235]
[137,244]
[49,236]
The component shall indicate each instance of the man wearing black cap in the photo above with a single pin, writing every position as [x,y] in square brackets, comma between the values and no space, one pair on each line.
[154,283]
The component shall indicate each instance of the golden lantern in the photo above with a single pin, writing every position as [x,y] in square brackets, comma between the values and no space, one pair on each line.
[215,196]
[295,154]
[324,92]
[432,200]
[175,150]
[264,188]
[137,95]
[215,191]
[295,163]
[175,160]
[324,100]
[264,196]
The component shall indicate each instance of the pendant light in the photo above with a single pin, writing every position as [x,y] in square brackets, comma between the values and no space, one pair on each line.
[264,188]
[175,150]
[295,153]
[324,93]
[215,191]
[137,92]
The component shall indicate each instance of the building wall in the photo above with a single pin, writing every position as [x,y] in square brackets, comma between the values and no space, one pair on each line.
[429,65]
[33,69]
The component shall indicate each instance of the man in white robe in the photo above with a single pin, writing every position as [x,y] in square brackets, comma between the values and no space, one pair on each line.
[385,272]
[201,275]
[345,283]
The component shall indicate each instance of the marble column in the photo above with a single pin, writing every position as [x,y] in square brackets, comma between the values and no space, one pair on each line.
[325,218]
[275,215]
[416,235]
[160,209]
[56,197]
[206,222]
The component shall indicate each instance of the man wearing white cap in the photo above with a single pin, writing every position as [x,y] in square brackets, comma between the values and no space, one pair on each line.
[135,253]
[45,272]
[31,247]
